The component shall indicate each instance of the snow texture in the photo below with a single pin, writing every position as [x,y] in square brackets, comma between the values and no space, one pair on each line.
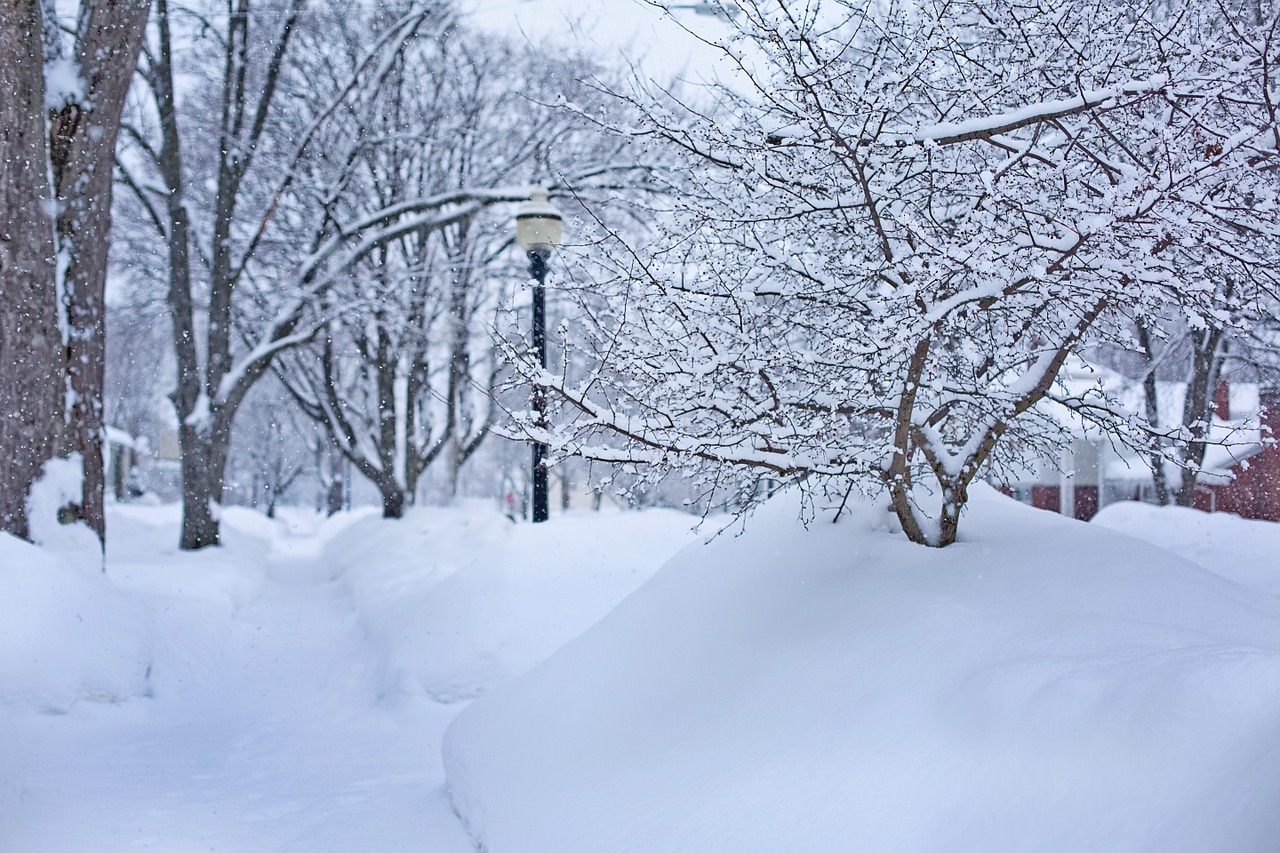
[1041,685]
[1236,548]
[272,694]
[66,634]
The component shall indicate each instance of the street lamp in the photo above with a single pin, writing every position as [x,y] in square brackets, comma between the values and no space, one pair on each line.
[538,229]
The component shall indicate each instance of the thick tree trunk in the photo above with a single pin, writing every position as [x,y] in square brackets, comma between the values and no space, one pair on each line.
[334,497]
[336,490]
[204,464]
[31,350]
[82,155]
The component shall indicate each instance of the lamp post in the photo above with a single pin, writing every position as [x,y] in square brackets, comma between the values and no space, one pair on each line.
[538,229]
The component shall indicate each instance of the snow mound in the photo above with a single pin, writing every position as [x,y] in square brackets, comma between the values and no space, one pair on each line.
[1237,548]
[455,600]
[1041,685]
[66,634]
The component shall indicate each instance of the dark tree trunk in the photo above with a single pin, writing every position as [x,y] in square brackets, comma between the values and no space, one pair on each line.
[82,154]
[205,410]
[1206,366]
[31,350]
[393,499]
[204,463]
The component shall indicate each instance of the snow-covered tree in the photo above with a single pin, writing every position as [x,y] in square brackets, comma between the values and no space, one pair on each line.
[30,343]
[251,251]
[899,221]
[62,100]
[273,454]
[402,374]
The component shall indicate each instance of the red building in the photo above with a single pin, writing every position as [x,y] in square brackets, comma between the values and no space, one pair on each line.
[1240,473]
[1248,484]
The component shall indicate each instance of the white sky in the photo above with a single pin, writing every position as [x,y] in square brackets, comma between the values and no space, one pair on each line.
[632,29]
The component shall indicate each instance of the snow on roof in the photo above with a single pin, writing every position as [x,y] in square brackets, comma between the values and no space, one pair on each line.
[1231,441]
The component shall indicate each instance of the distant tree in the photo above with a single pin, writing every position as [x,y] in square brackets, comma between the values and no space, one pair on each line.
[894,229]
[250,252]
[273,450]
[401,376]
[139,368]
[1195,357]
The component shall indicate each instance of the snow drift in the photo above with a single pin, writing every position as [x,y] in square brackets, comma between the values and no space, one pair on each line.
[454,600]
[1041,685]
[1243,550]
[292,671]
[66,634]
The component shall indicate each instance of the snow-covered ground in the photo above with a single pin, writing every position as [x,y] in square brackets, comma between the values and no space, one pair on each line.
[286,692]
[1041,685]
[1245,551]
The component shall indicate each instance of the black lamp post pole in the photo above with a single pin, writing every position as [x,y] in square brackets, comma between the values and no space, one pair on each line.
[538,270]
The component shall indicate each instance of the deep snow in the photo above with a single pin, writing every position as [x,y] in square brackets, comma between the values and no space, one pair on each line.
[285,692]
[1042,685]
[1244,551]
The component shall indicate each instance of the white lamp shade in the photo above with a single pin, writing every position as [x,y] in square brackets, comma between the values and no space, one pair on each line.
[538,223]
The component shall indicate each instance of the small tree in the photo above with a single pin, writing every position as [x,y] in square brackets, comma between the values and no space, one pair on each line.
[895,229]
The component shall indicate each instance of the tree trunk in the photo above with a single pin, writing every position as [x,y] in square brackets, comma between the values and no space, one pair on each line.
[1150,392]
[393,499]
[204,446]
[1206,365]
[82,142]
[337,479]
[452,467]
[31,350]
[204,433]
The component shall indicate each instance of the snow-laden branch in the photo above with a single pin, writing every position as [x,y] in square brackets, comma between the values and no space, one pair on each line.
[987,127]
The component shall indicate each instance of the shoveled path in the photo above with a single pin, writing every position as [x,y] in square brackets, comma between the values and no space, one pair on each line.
[265,732]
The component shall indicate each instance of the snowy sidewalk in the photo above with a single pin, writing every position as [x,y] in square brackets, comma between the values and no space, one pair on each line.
[271,739]
[291,676]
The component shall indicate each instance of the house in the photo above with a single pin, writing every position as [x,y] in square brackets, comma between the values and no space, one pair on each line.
[1245,478]
[1241,471]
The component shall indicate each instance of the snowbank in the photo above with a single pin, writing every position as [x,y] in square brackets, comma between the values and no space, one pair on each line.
[1237,548]
[1041,685]
[292,670]
[457,600]
[66,633]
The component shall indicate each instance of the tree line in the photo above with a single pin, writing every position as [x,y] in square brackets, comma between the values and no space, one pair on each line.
[307,190]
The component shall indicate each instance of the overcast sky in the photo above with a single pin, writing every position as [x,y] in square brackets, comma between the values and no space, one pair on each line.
[627,28]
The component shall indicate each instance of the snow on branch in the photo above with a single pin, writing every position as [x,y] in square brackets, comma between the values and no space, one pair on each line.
[866,299]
